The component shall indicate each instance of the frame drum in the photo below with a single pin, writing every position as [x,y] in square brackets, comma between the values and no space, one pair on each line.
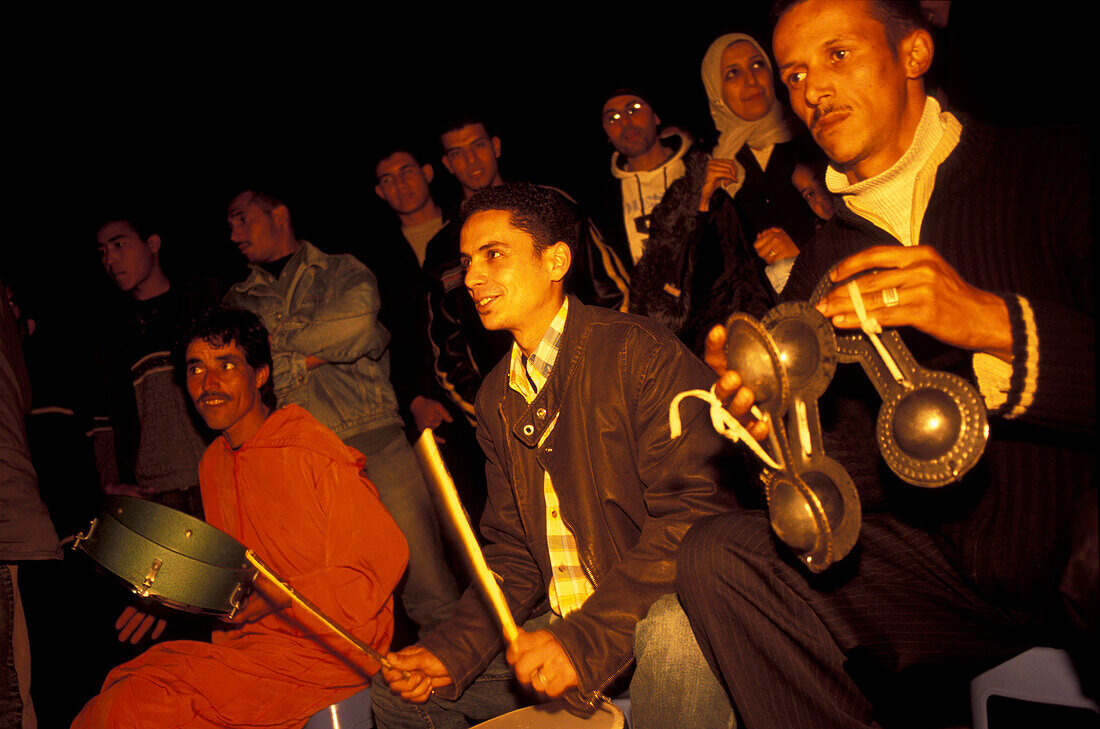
[170,556]
[555,715]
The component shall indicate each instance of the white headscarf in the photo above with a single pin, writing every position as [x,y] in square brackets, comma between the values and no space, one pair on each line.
[734,132]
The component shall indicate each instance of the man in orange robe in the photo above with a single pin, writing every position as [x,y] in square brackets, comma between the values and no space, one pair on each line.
[286,487]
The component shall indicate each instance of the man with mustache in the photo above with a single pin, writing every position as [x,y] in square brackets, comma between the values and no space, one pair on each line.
[286,487]
[331,356]
[976,243]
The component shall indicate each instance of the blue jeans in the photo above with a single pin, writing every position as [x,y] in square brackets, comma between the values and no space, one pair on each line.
[673,686]
[429,591]
[496,691]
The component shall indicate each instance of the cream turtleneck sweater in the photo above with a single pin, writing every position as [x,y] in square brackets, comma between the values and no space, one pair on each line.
[895,200]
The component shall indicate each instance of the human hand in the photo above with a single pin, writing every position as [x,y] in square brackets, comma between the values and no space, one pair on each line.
[541,663]
[428,413]
[738,400]
[719,172]
[415,674]
[918,288]
[774,245]
[133,625]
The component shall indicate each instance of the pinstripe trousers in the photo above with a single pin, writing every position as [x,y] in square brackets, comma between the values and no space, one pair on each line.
[801,650]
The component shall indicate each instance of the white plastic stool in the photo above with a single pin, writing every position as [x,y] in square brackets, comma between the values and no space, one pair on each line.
[1040,675]
[353,712]
[556,715]
[624,706]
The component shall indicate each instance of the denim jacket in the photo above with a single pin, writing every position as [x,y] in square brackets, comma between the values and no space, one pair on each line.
[325,306]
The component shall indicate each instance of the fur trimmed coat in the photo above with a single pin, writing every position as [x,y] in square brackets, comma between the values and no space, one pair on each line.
[697,267]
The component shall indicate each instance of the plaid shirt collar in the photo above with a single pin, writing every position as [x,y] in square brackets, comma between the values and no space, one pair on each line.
[529,379]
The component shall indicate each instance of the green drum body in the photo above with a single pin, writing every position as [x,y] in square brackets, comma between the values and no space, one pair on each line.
[170,556]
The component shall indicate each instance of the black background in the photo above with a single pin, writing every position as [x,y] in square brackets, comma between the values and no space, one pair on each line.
[172,110]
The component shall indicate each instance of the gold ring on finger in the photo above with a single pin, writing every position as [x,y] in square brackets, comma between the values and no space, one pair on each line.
[890,296]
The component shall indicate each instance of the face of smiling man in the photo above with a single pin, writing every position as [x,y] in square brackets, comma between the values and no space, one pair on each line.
[226,389]
[513,286]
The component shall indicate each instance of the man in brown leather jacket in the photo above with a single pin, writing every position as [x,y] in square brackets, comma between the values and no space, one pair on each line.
[589,496]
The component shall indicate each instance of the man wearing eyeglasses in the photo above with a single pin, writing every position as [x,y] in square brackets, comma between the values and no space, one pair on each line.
[643,166]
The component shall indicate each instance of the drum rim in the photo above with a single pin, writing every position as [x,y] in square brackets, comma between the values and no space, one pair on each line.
[119,550]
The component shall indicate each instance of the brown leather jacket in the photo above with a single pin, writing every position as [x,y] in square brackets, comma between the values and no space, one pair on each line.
[627,490]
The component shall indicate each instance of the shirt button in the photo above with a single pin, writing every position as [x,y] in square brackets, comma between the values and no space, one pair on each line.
[528,429]
[540,413]
[561,568]
[554,513]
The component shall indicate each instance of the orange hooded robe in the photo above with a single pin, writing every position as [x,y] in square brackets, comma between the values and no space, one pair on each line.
[296,496]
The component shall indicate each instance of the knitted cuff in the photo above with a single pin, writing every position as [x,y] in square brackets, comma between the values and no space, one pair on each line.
[1025,357]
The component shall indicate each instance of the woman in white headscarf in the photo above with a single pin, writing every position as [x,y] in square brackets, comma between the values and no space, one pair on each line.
[737,76]
[725,235]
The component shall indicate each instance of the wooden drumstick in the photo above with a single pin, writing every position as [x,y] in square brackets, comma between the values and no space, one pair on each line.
[436,472]
[260,565]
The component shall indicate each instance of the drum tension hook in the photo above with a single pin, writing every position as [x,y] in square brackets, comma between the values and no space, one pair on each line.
[147,583]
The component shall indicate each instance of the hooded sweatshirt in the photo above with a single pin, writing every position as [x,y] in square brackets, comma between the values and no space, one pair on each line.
[642,191]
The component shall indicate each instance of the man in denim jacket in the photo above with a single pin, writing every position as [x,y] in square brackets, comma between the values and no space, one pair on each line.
[331,357]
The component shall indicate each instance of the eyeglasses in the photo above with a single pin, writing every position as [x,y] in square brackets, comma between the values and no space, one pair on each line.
[616,117]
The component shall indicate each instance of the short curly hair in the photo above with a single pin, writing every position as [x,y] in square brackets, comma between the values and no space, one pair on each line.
[540,212]
[221,326]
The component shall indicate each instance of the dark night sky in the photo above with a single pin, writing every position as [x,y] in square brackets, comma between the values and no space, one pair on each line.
[175,114]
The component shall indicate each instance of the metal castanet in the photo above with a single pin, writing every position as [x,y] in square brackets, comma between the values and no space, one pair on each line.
[933,426]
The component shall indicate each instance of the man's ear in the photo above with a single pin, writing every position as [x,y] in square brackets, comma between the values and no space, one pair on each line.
[281,215]
[153,242]
[263,372]
[916,53]
[496,147]
[429,173]
[447,164]
[378,192]
[560,257]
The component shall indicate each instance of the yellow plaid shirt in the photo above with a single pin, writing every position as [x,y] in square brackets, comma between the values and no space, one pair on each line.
[569,586]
